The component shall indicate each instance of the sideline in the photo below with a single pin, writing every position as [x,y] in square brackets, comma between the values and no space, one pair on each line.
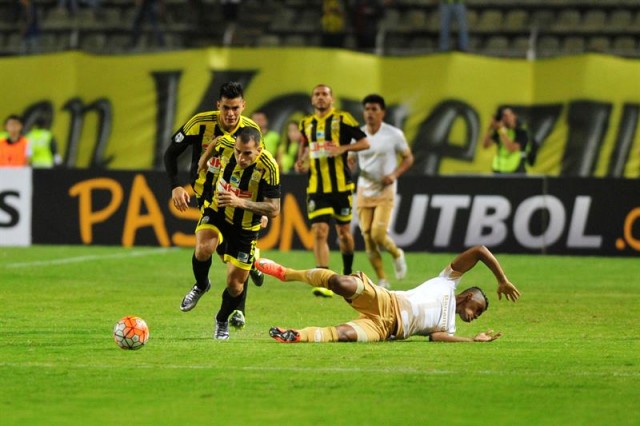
[92,257]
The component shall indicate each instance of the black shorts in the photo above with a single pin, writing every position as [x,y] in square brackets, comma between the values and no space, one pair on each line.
[236,245]
[324,207]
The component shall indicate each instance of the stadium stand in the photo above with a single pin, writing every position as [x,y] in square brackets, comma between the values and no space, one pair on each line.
[497,27]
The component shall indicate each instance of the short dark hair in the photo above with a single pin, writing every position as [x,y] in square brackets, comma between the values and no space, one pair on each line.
[247,134]
[374,99]
[479,290]
[231,90]
[14,117]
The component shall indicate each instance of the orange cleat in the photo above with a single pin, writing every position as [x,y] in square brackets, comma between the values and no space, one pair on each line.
[270,267]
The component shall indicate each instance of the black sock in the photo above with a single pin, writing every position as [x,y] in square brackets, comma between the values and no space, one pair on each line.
[347,263]
[201,271]
[229,304]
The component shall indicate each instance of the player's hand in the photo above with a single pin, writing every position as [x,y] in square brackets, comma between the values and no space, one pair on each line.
[388,179]
[180,198]
[509,290]
[228,199]
[202,163]
[334,150]
[301,166]
[264,221]
[487,336]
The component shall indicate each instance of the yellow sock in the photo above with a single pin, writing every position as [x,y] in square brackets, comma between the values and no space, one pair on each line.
[317,277]
[318,334]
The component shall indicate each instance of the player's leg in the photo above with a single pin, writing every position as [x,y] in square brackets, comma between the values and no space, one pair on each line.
[207,239]
[365,220]
[320,232]
[380,235]
[232,296]
[343,213]
[376,322]
[239,258]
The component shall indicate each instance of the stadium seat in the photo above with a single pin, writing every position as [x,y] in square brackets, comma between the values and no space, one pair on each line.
[620,20]
[626,46]
[568,20]
[542,19]
[594,20]
[489,21]
[548,46]
[598,44]
[516,20]
[574,45]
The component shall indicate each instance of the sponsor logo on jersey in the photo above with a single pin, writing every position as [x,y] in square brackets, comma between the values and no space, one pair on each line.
[179,137]
[243,257]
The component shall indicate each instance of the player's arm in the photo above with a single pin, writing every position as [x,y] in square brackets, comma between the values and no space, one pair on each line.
[269,207]
[443,336]
[301,164]
[469,258]
[405,163]
[207,154]
[179,143]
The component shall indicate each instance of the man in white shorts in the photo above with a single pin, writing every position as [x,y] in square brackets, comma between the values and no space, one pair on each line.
[379,170]
[427,310]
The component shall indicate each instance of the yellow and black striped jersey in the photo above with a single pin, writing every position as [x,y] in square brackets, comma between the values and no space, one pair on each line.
[256,182]
[197,133]
[329,174]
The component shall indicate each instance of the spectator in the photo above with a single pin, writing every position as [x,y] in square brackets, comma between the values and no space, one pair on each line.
[147,10]
[333,26]
[14,146]
[511,138]
[30,27]
[288,151]
[366,16]
[271,138]
[230,12]
[44,150]
[450,9]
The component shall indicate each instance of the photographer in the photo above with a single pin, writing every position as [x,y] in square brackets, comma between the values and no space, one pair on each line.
[511,138]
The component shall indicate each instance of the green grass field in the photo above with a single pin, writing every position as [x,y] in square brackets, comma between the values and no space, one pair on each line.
[569,354]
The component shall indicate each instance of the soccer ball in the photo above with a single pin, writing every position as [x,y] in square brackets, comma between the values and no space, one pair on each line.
[131,332]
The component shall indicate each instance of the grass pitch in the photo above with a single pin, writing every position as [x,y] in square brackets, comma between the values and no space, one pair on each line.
[569,353]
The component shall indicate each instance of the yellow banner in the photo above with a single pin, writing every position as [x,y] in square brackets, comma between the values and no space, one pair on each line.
[119,112]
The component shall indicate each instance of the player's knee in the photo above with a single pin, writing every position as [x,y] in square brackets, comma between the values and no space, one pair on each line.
[235,287]
[378,235]
[204,250]
[320,231]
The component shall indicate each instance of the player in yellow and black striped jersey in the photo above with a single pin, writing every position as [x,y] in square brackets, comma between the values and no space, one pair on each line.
[241,185]
[198,132]
[327,137]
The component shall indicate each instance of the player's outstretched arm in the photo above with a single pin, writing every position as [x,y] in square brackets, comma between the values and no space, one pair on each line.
[469,258]
[441,336]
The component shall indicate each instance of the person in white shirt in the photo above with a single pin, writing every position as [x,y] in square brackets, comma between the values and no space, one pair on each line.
[379,170]
[427,310]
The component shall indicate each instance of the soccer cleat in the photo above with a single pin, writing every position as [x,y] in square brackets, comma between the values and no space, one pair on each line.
[284,336]
[236,320]
[191,299]
[400,265]
[222,331]
[384,283]
[322,292]
[270,267]
[257,277]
